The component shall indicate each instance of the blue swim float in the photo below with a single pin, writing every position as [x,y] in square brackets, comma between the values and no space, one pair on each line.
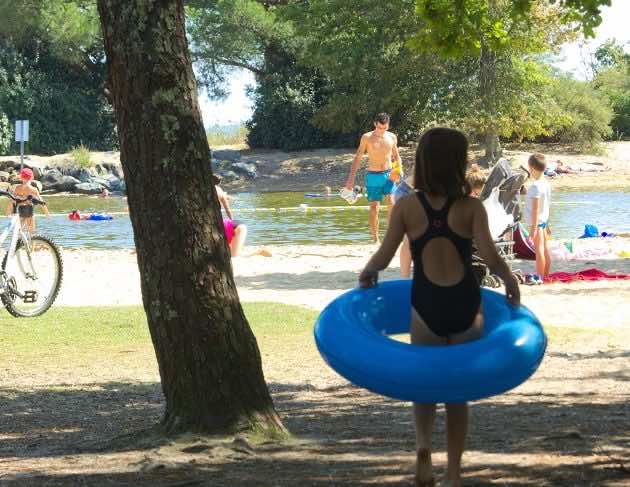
[99,217]
[351,335]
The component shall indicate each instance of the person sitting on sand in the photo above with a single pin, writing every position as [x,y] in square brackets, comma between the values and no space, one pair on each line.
[25,209]
[235,232]
[441,219]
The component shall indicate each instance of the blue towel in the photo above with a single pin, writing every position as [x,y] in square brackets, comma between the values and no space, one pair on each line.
[590,231]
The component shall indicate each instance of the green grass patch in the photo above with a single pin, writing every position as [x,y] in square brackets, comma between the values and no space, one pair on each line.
[81,155]
[84,334]
[94,337]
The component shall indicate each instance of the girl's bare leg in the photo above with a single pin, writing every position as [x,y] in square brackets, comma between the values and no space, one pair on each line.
[238,241]
[457,414]
[424,414]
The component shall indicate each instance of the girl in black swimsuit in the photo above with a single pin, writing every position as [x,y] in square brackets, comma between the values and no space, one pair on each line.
[441,220]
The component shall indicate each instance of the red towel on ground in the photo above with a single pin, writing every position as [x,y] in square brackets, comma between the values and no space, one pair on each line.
[585,275]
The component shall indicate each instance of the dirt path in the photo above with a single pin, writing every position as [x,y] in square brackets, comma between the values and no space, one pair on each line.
[567,426]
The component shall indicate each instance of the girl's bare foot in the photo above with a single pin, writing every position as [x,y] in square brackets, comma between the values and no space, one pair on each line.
[424,476]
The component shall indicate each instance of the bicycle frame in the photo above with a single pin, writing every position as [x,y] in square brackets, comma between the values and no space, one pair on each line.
[16,230]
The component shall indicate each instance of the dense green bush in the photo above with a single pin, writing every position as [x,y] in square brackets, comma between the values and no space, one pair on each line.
[582,116]
[285,103]
[614,84]
[63,101]
[5,134]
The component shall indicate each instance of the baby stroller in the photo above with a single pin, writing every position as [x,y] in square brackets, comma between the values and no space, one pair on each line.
[502,188]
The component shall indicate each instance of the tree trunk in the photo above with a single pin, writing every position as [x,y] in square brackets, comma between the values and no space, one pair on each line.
[208,358]
[487,92]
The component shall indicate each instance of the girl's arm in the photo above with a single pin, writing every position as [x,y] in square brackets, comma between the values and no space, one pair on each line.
[224,201]
[39,197]
[226,205]
[383,256]
[485,245]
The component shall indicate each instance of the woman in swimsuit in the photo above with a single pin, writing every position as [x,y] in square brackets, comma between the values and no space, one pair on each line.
[441,220]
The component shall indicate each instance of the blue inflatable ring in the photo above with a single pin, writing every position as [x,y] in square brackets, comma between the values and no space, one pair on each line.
[99,217]
[351,335]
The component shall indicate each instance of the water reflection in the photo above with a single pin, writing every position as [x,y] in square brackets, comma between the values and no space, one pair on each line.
[292,218]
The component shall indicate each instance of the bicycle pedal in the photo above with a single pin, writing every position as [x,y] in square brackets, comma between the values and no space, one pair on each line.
[30,296]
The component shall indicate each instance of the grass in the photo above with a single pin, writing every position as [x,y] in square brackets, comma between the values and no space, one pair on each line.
[90,335]
[81,155]
[81,336]
[227,137]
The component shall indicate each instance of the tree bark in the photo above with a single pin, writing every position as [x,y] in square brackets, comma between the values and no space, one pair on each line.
[487,92]
[208,358]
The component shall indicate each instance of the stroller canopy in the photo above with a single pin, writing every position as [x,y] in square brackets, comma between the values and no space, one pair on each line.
[509,184]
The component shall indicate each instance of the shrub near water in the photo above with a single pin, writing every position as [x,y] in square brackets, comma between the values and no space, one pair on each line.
[81,155]
[5,134]
[227,135]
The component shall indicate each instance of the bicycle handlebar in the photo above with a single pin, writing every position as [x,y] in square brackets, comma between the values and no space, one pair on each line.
[30,198]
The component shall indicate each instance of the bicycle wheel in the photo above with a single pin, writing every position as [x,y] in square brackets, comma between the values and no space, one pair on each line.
[34,277]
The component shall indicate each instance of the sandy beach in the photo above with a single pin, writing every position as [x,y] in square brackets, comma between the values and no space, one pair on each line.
[314,275]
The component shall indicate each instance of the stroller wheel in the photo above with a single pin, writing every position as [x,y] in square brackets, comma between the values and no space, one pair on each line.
[489,281]
[519,277]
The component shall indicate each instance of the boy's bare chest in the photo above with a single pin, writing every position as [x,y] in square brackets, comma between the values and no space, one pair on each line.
[380,144]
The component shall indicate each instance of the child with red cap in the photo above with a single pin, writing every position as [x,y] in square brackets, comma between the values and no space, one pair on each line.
[25,209]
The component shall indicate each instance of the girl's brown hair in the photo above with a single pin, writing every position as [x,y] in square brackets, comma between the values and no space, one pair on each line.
[441,161]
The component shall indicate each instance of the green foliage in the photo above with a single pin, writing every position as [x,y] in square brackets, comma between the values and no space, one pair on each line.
[232,34]
[286,100]
[524,107]
[612,80]
[582,116]
[324,67]
[465,26]
[5,134]
[52,72]
[361,50]
[81,155]
[64,101]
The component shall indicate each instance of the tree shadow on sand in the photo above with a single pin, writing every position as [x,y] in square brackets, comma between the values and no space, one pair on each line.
[343,436]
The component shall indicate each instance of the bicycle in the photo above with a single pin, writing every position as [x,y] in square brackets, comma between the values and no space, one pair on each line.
[32,268]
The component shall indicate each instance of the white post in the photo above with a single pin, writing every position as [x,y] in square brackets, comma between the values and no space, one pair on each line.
[21,136]
[21,155]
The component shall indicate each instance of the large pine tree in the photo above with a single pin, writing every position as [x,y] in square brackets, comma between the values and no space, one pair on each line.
[209,361]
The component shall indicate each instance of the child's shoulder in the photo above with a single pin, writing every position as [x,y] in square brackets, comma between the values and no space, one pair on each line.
[468,204]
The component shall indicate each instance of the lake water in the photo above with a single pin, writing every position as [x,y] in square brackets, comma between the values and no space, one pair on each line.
[279,218]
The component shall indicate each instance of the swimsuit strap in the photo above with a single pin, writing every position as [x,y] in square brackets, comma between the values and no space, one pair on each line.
[438,227]
[437,218]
